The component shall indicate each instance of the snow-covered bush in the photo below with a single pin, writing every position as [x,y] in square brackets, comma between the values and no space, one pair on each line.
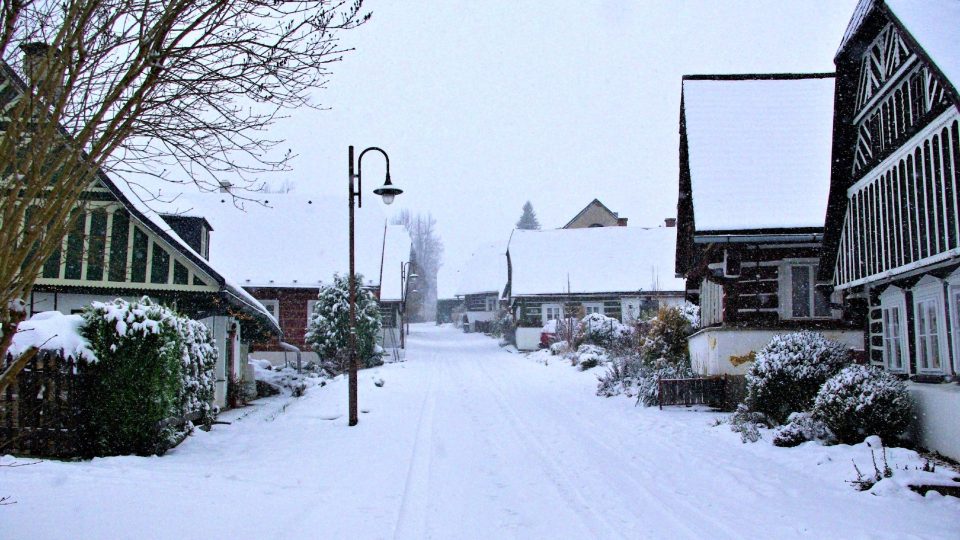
[559,348]
[789,371]
[692,314]
[598,329]
[666,337]
[802,427]
[621,376]
[863,400]
[590,356]
[138,379]
[748,423]
[328,330]
[198,359]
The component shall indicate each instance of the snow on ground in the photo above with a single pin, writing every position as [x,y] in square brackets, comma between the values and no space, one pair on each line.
[466,440]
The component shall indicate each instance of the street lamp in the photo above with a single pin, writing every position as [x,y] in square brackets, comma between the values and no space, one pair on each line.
[405,277]
[388,191]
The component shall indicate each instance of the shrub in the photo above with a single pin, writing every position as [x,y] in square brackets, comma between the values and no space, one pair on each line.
[603,331]
[198,359]
[863,400]
[802,427]
[138,378]
[666,338]
[590,356]
[328,330]
[559,348]
[789,371]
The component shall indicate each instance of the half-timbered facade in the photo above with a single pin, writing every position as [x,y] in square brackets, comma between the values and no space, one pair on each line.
[754,176]
[620,272]
[118,248]
[893,235]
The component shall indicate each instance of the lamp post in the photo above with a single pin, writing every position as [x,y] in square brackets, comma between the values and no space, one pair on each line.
[405,277]
[388,191]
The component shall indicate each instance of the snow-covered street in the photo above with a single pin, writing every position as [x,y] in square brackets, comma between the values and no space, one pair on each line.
[466,440]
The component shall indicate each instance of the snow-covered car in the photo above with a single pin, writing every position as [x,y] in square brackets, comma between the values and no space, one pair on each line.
[548,334]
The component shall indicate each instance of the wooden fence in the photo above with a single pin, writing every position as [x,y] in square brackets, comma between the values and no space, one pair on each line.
[723,392]
[39,411]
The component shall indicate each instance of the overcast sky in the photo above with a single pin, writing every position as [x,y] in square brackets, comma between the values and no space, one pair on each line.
[483,105]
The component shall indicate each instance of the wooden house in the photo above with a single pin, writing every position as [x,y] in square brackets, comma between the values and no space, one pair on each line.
[619,272]
[596,214]
[482,282]
[892,241]
[283,247]
[119,248]
[754,176]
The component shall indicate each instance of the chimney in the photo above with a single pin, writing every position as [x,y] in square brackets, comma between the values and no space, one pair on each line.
[670,222]
[35,56]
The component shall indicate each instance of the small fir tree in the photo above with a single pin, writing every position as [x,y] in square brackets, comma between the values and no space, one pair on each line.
[328,330]
[528,220]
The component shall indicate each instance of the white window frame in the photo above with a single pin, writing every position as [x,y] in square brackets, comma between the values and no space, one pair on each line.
[490,303]
[785,291]
[545,307]
[271,302]
[895,298]
[930,289]
[953,298]
[596,306]
[310,304]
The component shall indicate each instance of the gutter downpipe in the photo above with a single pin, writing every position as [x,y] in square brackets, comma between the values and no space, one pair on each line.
[288,347]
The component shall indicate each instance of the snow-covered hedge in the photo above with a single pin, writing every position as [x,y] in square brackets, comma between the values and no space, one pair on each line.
[598,329]
[666,339]
[789,371]
[863,400]
[151,365]
[802,427]
[328,329]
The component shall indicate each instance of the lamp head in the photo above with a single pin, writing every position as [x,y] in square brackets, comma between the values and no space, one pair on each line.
[388,191]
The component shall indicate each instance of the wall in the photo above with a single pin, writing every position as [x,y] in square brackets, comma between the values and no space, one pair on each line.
[68,303]
[594,214]
[528,339]
[936,410]
[711,349]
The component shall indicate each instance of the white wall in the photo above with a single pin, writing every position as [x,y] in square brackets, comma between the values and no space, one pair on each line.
[712,348]
[937,417]
[528,339]
[68,302]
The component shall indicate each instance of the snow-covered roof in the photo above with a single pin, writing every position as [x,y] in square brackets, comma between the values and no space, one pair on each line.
[594,260]
[759,150]
[396,251]
[485,271]
[286,240]
[935,25]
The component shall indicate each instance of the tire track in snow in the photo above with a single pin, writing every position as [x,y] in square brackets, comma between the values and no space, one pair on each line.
[412,516]
[614,455]
[596,523]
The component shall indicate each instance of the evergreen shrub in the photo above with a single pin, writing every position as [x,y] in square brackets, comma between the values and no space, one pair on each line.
[789,371]
[151,365]
[863,400]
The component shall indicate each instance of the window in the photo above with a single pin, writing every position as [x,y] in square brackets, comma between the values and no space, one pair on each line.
[491,303]
[711,303]
[273,307]
[930,325]
[592,307]
[551,312]
[310,305]
[893,312]
[800,298]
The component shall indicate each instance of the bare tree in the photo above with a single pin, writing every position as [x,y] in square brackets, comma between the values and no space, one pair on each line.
[180,90]
[428,255]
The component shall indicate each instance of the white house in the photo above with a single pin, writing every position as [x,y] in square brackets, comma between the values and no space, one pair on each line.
[481,286]
[621,272]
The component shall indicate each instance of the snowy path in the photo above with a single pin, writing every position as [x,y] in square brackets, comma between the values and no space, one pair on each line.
[465,440]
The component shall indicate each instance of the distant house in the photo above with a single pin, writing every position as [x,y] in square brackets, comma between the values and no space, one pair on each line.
[620,272]
[119,248]
[282,247]
[482,282]
[754,174]
[596,214]
[892,241]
